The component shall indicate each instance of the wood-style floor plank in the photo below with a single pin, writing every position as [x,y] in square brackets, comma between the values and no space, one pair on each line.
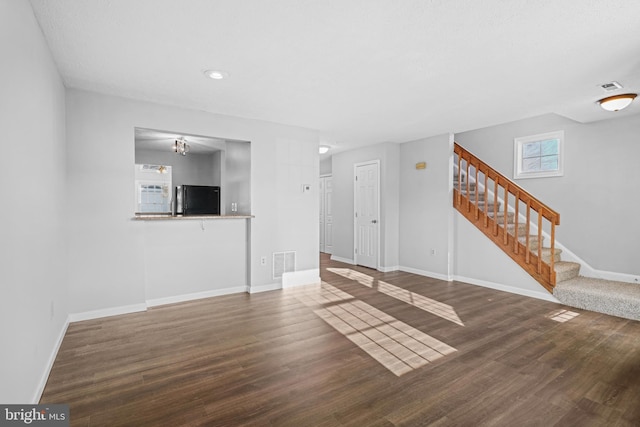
[278,359]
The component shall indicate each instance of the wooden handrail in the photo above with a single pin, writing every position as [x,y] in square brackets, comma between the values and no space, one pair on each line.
[493,174]
[478,213]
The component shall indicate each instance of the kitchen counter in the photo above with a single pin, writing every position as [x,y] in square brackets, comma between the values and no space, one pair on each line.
[163,217]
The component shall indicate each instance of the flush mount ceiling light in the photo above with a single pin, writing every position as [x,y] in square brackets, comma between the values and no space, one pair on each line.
[216,74]
[617,102]
[181,146]
[323,149]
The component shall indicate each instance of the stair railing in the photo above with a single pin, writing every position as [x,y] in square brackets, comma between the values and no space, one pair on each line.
[474,204]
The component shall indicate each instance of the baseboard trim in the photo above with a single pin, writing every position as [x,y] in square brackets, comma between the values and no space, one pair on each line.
[425,273]
[352,262]
[52,358]
[506,288]
[195,296]
[586,269]
[300,278]
[618,277]
[107,312]
[340,259]
[263,288]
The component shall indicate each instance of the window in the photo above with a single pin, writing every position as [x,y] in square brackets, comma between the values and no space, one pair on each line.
[153,188]
[153,198]
[538,156]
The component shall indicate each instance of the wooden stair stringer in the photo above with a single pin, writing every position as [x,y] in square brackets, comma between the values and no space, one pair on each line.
[539,271]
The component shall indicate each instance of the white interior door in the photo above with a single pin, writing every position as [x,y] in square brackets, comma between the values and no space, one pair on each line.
[326,215]
[366,214]
[321,188]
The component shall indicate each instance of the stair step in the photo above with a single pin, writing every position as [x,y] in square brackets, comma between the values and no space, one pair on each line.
[472,196]
[566,270]
[490,208]
[533,241]
[546,255]
[522,229]
[511,216]
[483,205]
[620,299]
[463,188]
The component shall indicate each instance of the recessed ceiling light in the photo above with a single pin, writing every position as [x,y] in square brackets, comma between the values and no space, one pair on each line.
[323,149]
[216,74]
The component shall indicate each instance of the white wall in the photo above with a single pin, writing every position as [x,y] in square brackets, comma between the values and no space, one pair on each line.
[343,194]
[33,288]
[597,196]
[238,176]
[217,166]
[479,261]
[426,212]
[193,257]
[107,248]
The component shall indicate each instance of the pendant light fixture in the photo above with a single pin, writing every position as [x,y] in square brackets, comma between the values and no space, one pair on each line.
[181,146]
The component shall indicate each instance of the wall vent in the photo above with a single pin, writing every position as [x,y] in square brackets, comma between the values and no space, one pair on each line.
[283,262]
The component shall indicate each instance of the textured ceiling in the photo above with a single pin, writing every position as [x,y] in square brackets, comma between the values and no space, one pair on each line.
[156,140]
[358,71]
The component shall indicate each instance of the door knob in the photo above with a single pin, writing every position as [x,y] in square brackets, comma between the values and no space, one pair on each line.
[374,221]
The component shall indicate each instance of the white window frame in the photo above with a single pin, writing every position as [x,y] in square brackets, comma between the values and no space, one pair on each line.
[518,173]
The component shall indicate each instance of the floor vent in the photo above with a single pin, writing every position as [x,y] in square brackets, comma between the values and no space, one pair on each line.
[283,262]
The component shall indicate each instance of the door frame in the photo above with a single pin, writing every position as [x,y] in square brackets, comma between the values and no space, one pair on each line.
[355,219]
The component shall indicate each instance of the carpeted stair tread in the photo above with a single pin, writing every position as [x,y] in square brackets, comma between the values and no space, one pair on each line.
[546,255]
[484,206]
[604,296]
[472,196]
[566,270]
[464,186]
[533,241]
[522,228]
[511,217]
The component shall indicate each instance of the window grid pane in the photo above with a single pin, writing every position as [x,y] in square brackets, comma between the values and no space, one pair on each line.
[540,156]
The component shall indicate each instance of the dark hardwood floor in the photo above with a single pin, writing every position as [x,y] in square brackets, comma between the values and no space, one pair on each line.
[365,349]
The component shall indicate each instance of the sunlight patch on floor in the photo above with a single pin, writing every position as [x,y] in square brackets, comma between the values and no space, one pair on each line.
[429,305]
[399,347]
[432,306]
[562,315]
[363,279]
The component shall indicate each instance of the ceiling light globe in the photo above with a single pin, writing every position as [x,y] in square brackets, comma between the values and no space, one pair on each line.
[617,102]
